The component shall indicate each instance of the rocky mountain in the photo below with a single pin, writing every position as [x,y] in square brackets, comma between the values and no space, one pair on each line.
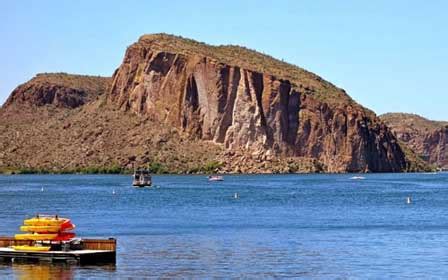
[40,134]
[183,106]
[58,89]
[426,138]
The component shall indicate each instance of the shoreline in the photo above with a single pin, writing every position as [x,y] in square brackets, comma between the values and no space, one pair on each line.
[88,171]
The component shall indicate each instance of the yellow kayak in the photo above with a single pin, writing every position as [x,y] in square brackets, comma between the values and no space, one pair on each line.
[32,248]
[44,221]
[36,236]
[40,229]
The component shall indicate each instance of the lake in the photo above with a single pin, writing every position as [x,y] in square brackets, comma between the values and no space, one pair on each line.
[310,226]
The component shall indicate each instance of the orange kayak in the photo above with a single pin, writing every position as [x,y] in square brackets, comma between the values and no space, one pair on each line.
[32,248]
[64,236]
[40,229]
[47,224]
[65,226]
[36,236]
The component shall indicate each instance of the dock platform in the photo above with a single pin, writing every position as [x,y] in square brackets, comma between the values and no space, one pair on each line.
[94,251]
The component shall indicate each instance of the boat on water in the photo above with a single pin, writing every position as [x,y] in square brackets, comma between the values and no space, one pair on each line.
[141,178]
[357,178]
[215,178]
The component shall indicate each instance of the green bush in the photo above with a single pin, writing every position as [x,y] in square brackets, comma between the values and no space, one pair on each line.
[211,167]
[157,168]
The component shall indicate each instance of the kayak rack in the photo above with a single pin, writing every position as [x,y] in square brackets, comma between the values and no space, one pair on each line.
[93,252]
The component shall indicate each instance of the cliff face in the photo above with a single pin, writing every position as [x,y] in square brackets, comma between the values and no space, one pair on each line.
[230,96]
[182,106]
[435,147]
[58,89]
[426,138]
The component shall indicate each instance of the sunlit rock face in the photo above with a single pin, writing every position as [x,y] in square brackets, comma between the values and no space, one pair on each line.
[243,108]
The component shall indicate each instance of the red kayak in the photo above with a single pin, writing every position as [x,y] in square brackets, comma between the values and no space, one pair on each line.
[67,225]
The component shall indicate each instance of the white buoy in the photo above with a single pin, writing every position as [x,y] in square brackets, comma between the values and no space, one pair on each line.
[113,191]
[236,195]
[42,189]
[408,200]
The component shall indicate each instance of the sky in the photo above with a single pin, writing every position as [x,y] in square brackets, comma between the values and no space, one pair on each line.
[390,56]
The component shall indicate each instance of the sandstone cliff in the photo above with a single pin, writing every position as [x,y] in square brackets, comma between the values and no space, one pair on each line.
[425,137]
[182,106]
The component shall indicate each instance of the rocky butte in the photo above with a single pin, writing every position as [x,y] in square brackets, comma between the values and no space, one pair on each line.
[178,105]
[426,138]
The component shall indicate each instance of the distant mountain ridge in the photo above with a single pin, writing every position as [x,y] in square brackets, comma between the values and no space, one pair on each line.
[425,137]
[178,105]
[412,121]
[59,89]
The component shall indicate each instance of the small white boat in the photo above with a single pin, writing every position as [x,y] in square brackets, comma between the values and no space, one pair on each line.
[215,178]
[357,178]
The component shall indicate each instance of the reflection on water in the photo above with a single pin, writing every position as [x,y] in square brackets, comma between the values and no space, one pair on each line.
[42,271]
[313,226]
[45,270]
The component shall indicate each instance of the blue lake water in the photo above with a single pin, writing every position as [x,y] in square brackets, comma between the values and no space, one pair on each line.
[310,226]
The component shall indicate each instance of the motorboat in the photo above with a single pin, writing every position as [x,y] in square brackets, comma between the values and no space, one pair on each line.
[215,178]
[142,178]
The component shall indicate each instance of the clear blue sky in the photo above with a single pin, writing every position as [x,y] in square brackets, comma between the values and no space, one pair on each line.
[388,55]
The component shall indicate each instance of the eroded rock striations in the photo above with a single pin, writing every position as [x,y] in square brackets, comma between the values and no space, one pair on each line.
[178,105]
[239,98]
[426,138]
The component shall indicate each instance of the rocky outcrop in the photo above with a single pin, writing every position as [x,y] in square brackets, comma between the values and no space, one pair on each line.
[426,138]
[180,106]
[435,149]
[213,94]
[58,89]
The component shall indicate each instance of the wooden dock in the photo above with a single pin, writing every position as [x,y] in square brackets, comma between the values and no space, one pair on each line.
[94,251]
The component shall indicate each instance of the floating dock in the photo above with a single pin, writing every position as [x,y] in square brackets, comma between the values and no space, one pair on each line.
[94,251]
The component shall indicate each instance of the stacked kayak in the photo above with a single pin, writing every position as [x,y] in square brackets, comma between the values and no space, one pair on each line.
[63,236]
[44,228]
[32,248]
